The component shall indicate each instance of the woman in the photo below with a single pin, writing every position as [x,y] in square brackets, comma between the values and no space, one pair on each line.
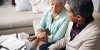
[55,20]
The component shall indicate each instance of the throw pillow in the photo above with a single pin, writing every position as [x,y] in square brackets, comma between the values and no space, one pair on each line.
[39,5]
[23,5]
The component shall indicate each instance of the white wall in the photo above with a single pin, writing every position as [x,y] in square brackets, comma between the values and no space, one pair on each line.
[96,5]
[99,5]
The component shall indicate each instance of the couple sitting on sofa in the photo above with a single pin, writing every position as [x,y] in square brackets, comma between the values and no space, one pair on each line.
[83,32]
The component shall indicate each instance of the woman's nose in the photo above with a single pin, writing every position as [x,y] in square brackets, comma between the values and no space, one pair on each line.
[54,7]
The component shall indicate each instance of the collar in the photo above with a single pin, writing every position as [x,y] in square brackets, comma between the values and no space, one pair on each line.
[83,24]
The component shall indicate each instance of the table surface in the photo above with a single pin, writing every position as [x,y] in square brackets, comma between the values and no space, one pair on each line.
[5,37]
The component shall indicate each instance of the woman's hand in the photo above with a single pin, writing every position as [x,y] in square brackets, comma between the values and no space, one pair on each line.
[43,37]
[46,38]
[31,38]
[40,33]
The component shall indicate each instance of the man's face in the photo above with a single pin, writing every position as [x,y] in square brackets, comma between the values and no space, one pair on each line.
[56,7]
[70,14]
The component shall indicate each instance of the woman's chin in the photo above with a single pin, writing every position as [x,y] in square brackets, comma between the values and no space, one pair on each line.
[55,12]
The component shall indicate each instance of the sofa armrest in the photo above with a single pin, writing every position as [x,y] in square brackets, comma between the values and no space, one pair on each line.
[35,23]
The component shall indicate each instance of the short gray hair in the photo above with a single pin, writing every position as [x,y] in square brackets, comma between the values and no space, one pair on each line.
[60,1]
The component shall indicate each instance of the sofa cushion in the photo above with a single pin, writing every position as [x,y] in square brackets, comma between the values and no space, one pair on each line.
[39,5]
[35,24]
[28,30]
[11,19]
[23,5]
[96,15]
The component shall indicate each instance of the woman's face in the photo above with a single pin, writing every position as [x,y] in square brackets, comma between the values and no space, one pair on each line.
[56,7]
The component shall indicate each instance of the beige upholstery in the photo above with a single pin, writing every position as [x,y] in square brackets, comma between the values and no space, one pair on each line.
[96,15]
[35,23]
[16,22]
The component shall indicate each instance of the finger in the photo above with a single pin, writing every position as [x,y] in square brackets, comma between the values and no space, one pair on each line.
[42,35]
[39,36]
[28,38]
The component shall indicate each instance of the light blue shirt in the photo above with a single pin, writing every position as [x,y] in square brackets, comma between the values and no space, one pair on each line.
[58,27]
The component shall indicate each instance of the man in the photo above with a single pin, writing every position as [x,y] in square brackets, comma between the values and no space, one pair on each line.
[83,31]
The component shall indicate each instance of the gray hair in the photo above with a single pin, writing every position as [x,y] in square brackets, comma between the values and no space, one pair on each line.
[84,8]
[60,1]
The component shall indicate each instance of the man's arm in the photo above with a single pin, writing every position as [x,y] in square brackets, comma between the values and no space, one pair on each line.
[59,44]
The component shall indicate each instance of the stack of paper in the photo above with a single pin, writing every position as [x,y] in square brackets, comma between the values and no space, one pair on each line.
[13,43]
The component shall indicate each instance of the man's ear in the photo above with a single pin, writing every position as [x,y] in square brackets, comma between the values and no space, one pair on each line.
[79,17]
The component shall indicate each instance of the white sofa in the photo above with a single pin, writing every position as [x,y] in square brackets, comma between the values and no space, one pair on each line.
[16,22]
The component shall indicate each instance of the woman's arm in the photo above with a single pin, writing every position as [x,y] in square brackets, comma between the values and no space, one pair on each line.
[42,25]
